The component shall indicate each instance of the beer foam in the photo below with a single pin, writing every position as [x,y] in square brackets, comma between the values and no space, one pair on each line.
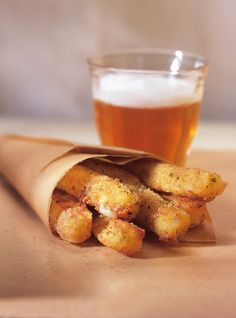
[145,90]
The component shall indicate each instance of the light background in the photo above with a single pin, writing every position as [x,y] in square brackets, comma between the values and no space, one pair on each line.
[44,44]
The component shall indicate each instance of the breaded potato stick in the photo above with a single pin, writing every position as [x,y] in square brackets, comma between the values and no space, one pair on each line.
[70,218]
[115,172]
[163,177]
[165,219]
[118,234]
[195,208]
[107,195]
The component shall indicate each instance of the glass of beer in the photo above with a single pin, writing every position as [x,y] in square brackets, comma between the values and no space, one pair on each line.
[148,99]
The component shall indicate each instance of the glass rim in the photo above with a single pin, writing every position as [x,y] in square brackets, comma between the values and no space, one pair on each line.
[92,60]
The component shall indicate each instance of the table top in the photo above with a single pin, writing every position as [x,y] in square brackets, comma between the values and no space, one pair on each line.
[43,277]
[211,135]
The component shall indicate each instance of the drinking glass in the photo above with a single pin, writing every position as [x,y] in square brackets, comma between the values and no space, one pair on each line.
[148,99]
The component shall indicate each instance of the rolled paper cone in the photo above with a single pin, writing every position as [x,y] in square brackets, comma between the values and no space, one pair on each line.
[35,165]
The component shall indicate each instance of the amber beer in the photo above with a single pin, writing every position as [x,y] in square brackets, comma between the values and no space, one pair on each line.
[164,130]
[148,99]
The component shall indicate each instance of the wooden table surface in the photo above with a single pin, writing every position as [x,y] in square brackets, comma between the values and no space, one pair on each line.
[43,277]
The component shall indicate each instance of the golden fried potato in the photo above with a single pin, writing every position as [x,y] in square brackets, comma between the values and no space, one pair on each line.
[193,183]
[116,172]
[118,234]
[69,218]
[107,195]
[165,219]
[195,208]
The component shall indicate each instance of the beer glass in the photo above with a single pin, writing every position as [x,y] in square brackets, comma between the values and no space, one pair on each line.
[148,99]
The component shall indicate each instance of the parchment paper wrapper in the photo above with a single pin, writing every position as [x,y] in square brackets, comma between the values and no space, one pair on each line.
[35,165]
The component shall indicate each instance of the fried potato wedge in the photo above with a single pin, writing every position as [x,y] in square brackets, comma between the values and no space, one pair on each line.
[165,219]
[107,195]
[189,182]
[118,234]
[70,218]
[195,208]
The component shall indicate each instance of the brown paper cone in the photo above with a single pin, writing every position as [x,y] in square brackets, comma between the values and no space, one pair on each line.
[35,165]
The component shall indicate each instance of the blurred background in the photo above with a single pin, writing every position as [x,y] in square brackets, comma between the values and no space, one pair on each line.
[44,45]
